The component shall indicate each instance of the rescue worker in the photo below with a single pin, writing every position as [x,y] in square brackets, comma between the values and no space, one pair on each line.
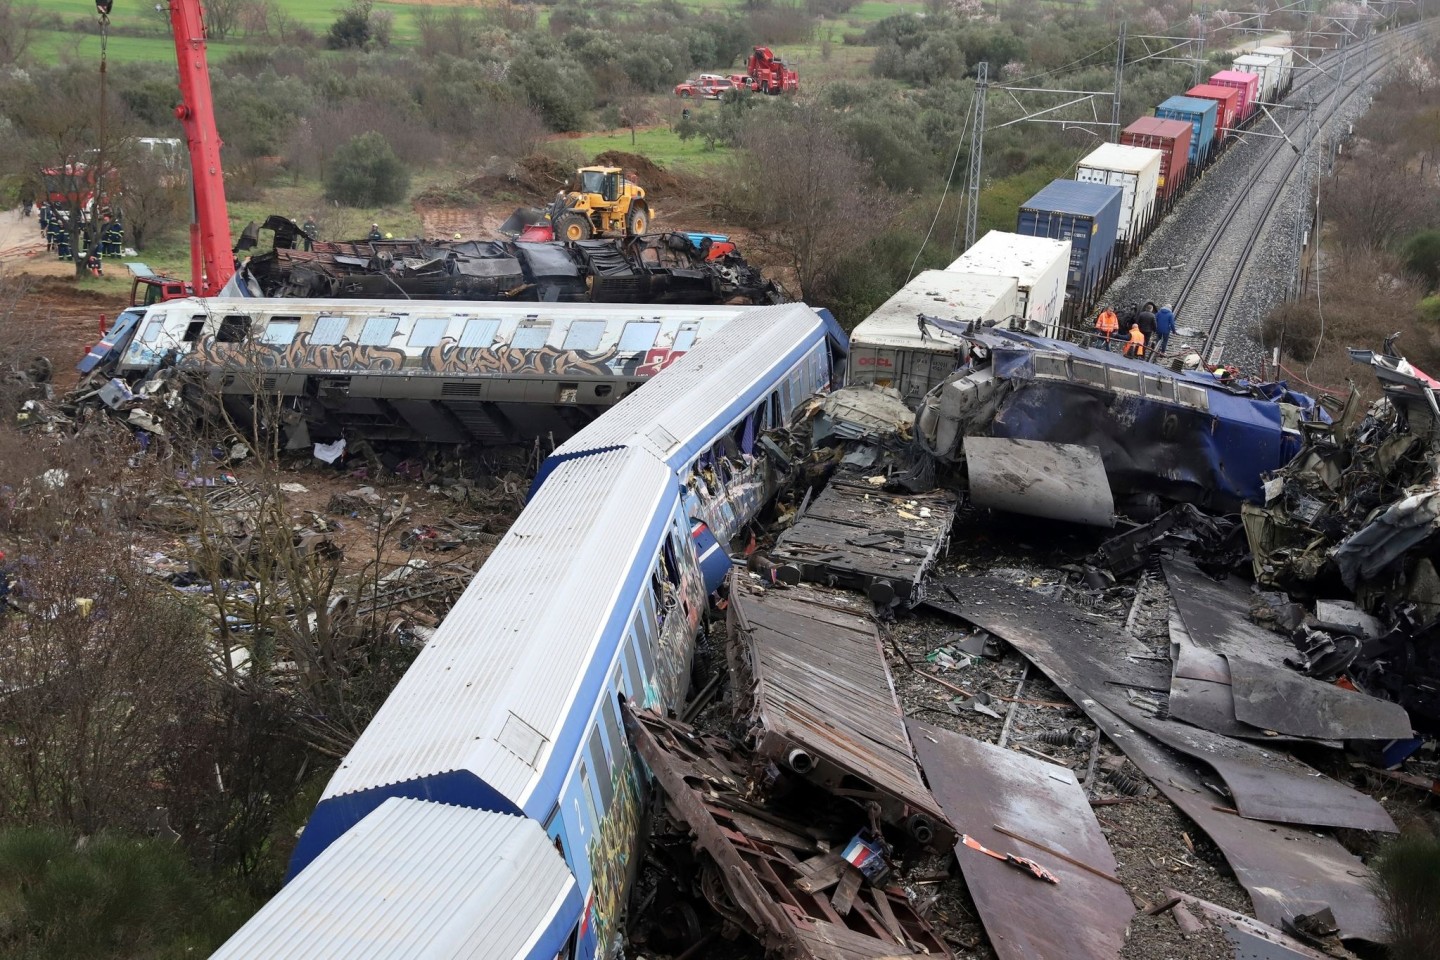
[375,233]
[309,232]
[1106,326]
[1136,345]
[94,261]
[62,240]
[1145,319]
[45,215]
[1164,326]
[112,237]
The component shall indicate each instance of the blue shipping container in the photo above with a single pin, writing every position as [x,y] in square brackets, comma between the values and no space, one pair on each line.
[1086,214]
[1200,114]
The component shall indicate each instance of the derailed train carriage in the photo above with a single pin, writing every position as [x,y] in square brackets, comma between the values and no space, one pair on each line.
[441,372]
[652,268]
[493,805]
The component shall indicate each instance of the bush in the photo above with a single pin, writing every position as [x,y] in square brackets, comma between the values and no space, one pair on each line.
[1422,256]
[1429,309]
[1407,881]
[364,172]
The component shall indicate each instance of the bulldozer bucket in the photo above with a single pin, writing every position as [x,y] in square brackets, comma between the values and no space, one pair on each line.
[522,218]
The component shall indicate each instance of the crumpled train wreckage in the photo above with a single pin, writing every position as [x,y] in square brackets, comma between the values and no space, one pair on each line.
[653,268]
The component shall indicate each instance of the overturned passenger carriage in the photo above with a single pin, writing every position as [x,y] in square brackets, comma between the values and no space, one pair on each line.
[478,372]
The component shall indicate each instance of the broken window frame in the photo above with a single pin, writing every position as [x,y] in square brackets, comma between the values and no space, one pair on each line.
[195,329]
[234,328]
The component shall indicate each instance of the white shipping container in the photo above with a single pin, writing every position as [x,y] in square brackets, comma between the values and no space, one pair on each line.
[888,347]
[1039,266]
[1287,62]
[1267,68]
[1136,171]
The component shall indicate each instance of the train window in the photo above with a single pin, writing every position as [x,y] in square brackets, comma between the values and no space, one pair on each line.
[645,633]
[610,711]
[638,336]
[378,331]
[1162,387]
[1124,380]
[328,331]
[530,337]
[589,791]
[685,339]
[233,329]
[632,667]
[1088,372]
[585,335]
[281,331]
[428,331]
[194,328]
[601,764]
[152,328]
[478,333]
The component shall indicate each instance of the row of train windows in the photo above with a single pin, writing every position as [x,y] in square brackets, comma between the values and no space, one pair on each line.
[637,336]
[642,639]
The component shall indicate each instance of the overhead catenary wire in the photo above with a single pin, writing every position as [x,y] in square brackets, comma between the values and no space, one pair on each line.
[954,162]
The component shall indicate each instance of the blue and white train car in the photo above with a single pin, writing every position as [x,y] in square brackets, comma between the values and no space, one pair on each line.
[513,708]
[703,419]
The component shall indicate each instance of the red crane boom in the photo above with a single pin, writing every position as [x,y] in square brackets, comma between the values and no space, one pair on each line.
[211,261]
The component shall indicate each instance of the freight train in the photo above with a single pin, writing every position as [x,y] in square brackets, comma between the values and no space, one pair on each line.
[493,806]
[1092,224]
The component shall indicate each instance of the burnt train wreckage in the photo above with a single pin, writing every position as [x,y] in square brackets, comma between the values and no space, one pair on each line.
[653,268]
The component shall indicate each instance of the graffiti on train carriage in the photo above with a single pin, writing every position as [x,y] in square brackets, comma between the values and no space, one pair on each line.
[446,358]
[611,846]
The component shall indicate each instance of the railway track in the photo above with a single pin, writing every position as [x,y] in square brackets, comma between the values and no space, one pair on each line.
[1214,278]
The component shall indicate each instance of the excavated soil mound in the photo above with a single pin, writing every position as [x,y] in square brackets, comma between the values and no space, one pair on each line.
[656,180]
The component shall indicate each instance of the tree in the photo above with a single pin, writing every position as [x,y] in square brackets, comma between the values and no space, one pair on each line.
[223,16]
[351,30]
[364,171]
[154,198]
[18,23]
[809,211]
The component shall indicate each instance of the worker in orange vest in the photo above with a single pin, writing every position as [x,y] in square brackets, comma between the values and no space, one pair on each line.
[1136,345]
[1106,326]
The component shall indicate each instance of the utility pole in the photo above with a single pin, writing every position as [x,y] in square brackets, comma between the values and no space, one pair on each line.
[977,152]
[1199,50]
[1119,85]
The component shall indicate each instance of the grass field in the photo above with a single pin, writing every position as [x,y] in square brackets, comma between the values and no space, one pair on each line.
[660,144]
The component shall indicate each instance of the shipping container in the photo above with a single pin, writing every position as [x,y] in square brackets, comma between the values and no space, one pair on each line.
[1228,115]
[1172,139]
[1086,214]
[1247,83]
[1200,114]
[888,347]
[1265,67]
[1287,65]
[1038,264]
[1136,171]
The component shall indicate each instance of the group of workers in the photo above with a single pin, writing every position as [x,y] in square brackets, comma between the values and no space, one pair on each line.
[1146,330]
[100,240]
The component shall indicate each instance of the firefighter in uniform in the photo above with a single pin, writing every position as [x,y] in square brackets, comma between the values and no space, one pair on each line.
[112,237]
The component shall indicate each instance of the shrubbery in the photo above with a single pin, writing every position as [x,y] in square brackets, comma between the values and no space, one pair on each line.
[364,172]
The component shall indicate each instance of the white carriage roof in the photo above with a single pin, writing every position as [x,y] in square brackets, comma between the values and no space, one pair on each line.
[938,293]
[1016,255]
[420,881]
[708,387]
[487,308]
[494,687]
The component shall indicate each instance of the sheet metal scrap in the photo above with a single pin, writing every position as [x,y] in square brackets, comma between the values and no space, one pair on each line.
[1037,810]
[1267,693]
[1252,939]
[1055,481]
[857,535]
[1088,660]
[810,679]
[756,877]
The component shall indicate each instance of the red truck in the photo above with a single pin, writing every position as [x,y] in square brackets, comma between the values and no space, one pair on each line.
[770,73]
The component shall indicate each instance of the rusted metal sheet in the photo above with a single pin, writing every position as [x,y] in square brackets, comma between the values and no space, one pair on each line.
[999,796]
[1252,939]
[1056,481]
[809,677]
[1086,658]
[1287,872]
[770,874]
[857,535]
[1267,693]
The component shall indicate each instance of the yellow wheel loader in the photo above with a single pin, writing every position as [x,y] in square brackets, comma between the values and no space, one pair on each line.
[603,203]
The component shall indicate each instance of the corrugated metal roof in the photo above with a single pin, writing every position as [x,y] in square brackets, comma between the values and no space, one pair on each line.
[1236,76]
[1125,159]
[1259,59]
[1160,126]
[1012,255]
[416,880]
[1074,197]
[687,399]
[953,296]
[1189,105]
[506,663]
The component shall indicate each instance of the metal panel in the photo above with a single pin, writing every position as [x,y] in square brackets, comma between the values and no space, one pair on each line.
[809,679]
[986,790]
[1039,265]
[1088,659]
[1057,481]
[419,880]
[1268,693]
